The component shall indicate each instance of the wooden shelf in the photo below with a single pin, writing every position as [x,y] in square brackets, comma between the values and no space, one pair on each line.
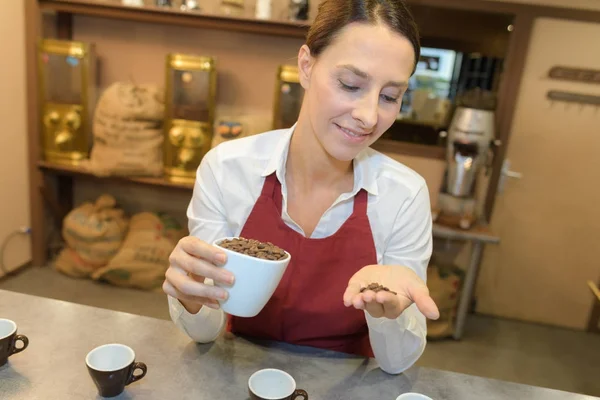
[78,172]
[409,149]
[409,121]
[151,14]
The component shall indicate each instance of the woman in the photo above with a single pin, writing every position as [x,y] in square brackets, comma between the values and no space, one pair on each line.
[348,215]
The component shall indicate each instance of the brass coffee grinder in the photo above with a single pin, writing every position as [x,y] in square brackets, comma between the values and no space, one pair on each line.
[288,97]
[189,114]
[67,84]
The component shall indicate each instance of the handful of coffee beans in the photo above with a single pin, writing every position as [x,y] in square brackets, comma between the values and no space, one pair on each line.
[254,248]
[376,287]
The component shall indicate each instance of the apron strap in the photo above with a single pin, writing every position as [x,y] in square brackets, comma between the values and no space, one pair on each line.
[360,202]
[269,186]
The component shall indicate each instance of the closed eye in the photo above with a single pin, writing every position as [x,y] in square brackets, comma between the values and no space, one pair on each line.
[389,99]
[348,88]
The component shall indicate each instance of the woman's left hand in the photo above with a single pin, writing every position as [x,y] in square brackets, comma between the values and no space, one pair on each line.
[402,280]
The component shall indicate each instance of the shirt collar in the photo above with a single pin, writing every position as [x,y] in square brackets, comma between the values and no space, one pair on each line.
[279,157]
[364,174]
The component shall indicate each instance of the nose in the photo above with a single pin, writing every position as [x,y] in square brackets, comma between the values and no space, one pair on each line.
[366,111]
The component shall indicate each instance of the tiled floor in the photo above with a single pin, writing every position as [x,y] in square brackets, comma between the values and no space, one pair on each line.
[495,348]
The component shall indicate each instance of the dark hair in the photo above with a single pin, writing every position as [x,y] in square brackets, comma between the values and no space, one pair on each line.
[334,15]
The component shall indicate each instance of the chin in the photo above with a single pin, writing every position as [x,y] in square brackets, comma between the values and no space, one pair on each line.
[343,152]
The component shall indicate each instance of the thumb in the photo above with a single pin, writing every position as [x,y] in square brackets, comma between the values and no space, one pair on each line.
[419,294]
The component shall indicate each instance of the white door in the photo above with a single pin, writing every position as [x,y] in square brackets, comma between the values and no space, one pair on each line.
[549,220]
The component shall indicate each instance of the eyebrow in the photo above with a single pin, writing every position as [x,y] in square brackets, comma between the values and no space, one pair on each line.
[363,74]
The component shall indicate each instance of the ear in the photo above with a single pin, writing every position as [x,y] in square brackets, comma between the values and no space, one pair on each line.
[305,65]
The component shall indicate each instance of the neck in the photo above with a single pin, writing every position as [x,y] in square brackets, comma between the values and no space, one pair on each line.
[310,167]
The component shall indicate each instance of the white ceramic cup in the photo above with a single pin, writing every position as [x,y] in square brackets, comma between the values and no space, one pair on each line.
[255,282]
[7,328]
[413,396]
[274,384]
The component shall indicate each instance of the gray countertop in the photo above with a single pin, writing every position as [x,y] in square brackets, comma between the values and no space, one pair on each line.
[60,335]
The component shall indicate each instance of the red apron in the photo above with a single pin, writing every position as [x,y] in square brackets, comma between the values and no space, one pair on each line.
[307,307]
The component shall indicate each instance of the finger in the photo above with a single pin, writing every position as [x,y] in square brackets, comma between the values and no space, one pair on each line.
[203,268]
[392,304]
[420,296]
[352,290]
[200,249]
[173,292]
[373,307]
[357,302]
[189,287]
[369,296]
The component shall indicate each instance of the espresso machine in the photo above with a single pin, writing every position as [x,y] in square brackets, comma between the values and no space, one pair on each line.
[470,141]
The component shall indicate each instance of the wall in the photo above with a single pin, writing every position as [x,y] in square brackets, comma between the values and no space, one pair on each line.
[14,195]
[142,58]
[584,4]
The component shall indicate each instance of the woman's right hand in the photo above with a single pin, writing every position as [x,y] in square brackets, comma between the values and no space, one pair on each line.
[190,263]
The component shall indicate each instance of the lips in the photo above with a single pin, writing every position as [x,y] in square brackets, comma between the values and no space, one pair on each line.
[353,135]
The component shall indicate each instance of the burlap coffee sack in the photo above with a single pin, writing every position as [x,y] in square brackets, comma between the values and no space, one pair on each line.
[142,159]
[444,285]
[127,128]
[161,223]
[129,101]
[95,231]
[69,263]
[140,263]
[144,257]
[113,131]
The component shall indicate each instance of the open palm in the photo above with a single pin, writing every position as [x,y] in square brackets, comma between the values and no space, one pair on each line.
[402,280]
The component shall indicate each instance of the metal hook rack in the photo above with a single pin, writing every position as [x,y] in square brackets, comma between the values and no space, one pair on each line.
[572,97]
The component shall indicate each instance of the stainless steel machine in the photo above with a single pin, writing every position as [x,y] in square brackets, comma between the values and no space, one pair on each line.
[470,139]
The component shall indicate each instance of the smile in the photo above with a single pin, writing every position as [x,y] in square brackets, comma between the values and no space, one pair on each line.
[352,134]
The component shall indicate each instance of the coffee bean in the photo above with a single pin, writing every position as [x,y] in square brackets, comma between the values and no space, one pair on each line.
[254,248]
[376,287]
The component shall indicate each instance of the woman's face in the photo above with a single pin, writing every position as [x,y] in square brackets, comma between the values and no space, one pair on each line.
[354,88]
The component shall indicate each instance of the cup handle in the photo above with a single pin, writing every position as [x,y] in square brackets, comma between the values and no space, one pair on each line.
[300,393]
[23,339]
[134,378]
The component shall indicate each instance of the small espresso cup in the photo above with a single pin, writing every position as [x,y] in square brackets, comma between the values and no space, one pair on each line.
[413,396]
[9,339]
[274,384]
[112,367]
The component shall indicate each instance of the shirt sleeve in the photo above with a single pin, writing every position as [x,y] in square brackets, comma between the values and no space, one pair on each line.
[206,221]
[207,216]
[203,327]
[397,344]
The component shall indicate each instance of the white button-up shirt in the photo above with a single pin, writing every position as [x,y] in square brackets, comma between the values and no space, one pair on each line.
[228,183]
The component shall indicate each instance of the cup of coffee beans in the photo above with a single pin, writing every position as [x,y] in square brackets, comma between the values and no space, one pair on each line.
[254,248]
[257,267]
